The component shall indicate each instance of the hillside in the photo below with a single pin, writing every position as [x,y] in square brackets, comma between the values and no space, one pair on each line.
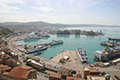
[44,25]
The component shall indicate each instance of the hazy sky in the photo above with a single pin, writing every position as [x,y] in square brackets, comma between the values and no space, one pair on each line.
[61,11]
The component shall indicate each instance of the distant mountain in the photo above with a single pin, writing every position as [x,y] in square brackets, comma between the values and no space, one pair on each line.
[43,25]
[30,25]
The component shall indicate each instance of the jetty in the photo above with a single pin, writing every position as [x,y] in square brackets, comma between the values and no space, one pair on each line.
[70,60]
[82,54]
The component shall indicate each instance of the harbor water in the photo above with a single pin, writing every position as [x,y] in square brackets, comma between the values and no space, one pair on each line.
[72,42]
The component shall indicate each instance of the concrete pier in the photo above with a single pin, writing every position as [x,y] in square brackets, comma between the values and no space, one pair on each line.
[73,63]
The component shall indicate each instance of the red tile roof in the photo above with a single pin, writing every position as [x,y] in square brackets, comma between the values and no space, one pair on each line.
[4,67]
[73,78]
[20,72]
[55,76]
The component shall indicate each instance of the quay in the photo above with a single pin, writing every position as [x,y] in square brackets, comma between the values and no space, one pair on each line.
[72,60]
[82,54]
[67,65]
[41,47]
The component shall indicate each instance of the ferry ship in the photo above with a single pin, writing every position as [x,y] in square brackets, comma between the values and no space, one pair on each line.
[107,54]
[40,48]
[36,36]
[83,56]
[31,38]
[112,42]
[56,42]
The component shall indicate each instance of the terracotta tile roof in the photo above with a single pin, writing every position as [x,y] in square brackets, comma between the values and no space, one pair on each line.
[55,75]
[11,61]
[73,78]
[4,67]
[20,72]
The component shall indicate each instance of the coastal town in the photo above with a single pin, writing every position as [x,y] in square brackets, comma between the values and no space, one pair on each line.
[18,63]
[59,39]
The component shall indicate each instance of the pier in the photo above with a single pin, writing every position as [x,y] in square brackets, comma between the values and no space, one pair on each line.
[74,62]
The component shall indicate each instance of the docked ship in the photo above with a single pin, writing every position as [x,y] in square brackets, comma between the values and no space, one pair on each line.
[56,42]
[83,56]
[38,49]
[107,54]
[31,38]
[43,35]
[36,36]
[112,42]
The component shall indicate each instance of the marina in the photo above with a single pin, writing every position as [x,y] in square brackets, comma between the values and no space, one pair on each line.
[85,42]
[72,60]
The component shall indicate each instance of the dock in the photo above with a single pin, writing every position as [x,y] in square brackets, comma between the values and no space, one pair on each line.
[73,62]
[82,54]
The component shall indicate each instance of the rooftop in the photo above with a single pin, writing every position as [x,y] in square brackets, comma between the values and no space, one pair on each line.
[4,67]
[55,75]
[73,78]
[20,72]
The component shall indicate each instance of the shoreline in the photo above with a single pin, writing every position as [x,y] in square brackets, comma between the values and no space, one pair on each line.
[51,63]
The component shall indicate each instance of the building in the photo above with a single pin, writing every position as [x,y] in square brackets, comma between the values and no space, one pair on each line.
[7,60]
[62,77]
[95,74]
[73,78]
[4,68]
[20,73]
[54,77]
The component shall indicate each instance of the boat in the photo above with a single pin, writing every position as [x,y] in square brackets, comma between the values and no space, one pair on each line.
[38,49]
[43,35]
[82,54]
[31,38]
[106,43]
[107,54]
[101,55]
[112,42]
[56,42]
